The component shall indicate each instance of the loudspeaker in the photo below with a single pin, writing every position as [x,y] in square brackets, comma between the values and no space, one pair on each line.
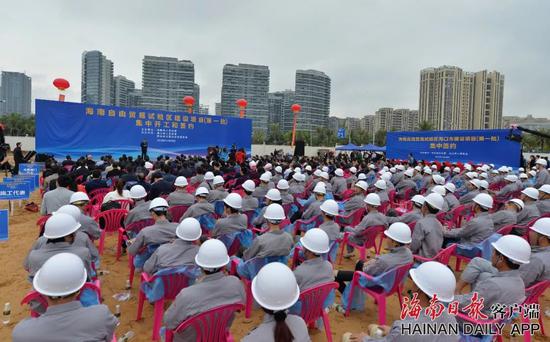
[299,148]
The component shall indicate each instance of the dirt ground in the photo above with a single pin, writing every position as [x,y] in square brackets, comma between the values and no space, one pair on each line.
[14,285]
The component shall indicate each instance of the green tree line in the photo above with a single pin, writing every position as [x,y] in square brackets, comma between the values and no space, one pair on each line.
[16,124]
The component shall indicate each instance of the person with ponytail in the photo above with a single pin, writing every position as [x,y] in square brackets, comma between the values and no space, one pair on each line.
[275,289]
[119,192]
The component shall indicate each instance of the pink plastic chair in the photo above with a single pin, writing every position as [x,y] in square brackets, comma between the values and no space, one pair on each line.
[315,221]
[369,235]
[506,229]
[312,305]
[100,191]
[41,223]
[177,211]
[443,256]
[173,284]
[377,292]
[533,294]
[210,326]
[136,227]
[125,204]
[352,219]
[112,223]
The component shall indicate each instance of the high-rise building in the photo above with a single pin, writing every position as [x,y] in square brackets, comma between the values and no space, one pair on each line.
[204,109]
[382,119]
[15,93]
[333,124]
[275,108]
[197,97]
[135,98]
[313,94]
[410,123]
[218,108]
[389,119]
[453,99]
[122,86]
[280,112]
[97,78]
[367,124]
[250,82]
[166,81]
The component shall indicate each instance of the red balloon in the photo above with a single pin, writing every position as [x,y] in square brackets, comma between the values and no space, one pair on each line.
[189,100]
[241,102]
[296,108]
[61,83]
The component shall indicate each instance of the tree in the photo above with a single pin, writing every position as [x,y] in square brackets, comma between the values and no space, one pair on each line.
[323,136]
[258,136]
[275,136]
[426,126]
[380,138]
[18,125]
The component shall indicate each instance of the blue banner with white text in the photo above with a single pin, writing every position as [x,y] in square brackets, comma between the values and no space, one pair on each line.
[66,128]
[476,146]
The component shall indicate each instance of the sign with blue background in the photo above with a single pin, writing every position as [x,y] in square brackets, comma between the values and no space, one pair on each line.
[76,129]
[341,133]
[477,146]
[3,224]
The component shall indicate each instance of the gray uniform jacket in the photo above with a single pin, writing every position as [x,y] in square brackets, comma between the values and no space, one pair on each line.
[354,203]
[398,256]
[397,178]
[180,198]
[529,212]
[427,237]
[265,331]
[452,201]
[411,216]
[230,224]
[272,243]
[543,177]
[197,179]
[351,180]
[260,191]
[544,206]
[161,232]
[474,231]
[503,218]
[80,240]
[371,219]
[383,196]
[217,195]
[314,209]
[173,254]
[538,267]
[89,226]
[406,183]
[212,291]
[507,189]
[55,199]
[260,219]
[198,209]
[249,203]
[286,197]
[138,213]
[339,185]
[38,257]
[313,272]
[297,188]
[468,197]
[68,322]
[506,288]
[332,229]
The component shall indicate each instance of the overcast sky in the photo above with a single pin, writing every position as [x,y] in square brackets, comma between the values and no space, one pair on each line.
[372,50]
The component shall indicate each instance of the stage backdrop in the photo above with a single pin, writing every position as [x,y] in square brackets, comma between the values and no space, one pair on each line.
[478,146]
[77,129]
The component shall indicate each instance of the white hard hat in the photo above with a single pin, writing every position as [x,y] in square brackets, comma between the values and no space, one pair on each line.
[317,173]
[386,176]
[201,191]
[542,162]
[148,165]
[353,169]
[427,170]
[483,175]
[189,229]
[545,188]
[273,194]
[393,170]
[521,169]
[446,168]
[330,207]
[158,203]
[324,169]
[484,200]
[274,211]
[265,177]
[212,254]
[471,175]
[380,184]
[531,192]
[320,188]
[283,184]
[308,167]
[234,200]
[503,169]
[523,175]
[385,168]
[79,197]
[180,181]
[296,177]
[451,187]
[439,189]
[61,275]
[439,180]
[252,164]
[218,180]
[249,185]
[399,232]
[514,248]
[434,200]
[297,170]
[69,209]
[60,225]
[268,166]
[494,171]
[434,278]
[137,192]
[475,182]
[278,169]
[339,172]
[209,176]
[361,176]
[372,199]
[275,287]
[324,175]
[362,184]
[533,173]
[542,226]
[485,167]
[434,167]
[468,167]
[456,170]
[418,199]
[409,173]
[316,241]
[519,203]
[484,184]
[418,168]
[400,167]
[511,178]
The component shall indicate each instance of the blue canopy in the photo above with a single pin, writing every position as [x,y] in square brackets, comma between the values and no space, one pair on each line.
[348,147]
